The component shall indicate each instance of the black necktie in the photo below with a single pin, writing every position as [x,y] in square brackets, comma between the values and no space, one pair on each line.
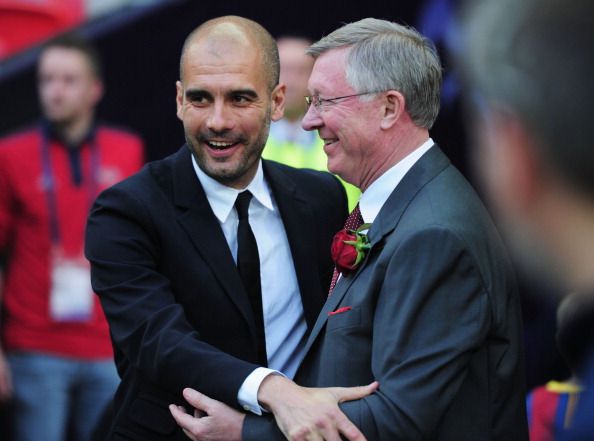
[248,264]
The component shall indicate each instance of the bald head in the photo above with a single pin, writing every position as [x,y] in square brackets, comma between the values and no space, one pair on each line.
[224,35]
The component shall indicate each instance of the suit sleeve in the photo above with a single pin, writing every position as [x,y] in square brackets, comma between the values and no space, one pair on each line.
[147,322]
[432,313]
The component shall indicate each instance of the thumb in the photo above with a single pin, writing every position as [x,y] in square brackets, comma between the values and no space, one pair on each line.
[198,400]
[343,394]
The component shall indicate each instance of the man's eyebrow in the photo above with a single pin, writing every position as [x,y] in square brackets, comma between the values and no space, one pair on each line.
[249,92]
[201,93]
[197,93]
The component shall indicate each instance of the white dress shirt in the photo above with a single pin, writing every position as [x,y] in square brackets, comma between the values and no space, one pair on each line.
[376,195]
[284,321]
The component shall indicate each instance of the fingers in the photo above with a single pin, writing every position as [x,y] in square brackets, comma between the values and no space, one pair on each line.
[343,394]
[328,429]
[185,421]
[340,424]
[349,430]
[199,401]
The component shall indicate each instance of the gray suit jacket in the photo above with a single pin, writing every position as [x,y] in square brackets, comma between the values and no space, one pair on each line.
[434,317]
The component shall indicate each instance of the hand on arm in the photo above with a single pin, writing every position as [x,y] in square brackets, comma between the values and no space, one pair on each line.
[311,413]
[212,420]
[301,413]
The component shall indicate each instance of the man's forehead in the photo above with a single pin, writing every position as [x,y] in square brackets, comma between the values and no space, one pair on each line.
[222,38]
[220,60]
[217,48]
[209,67]
[329,71]
[64,58]
[55,52]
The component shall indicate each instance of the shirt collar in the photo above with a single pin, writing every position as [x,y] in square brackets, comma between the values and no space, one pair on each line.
[52,134]
[376,195]
[222,198]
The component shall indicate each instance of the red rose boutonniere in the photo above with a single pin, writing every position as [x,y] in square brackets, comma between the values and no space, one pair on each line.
[349,248]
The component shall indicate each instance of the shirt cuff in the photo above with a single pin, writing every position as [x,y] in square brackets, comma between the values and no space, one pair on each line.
[248,392]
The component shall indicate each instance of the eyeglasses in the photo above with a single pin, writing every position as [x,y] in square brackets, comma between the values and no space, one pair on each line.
[319,103]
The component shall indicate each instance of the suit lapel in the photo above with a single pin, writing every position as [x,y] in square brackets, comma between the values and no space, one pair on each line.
[299,224]
[197,219]
[331,304]
[424,170]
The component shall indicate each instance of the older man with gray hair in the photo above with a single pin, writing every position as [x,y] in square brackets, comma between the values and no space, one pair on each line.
[424,300]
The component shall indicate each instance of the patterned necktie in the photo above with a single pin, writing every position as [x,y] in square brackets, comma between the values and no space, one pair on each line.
[248,264]
[354,221]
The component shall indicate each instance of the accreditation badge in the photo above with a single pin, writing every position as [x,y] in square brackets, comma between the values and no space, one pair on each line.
[71,295]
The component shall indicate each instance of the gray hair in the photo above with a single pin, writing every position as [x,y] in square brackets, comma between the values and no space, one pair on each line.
[387,56]
[535,58]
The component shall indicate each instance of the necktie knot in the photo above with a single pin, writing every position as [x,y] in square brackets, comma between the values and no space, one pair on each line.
[242,204]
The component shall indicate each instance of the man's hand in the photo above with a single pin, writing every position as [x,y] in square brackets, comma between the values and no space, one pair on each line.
[212,420]
[311,414]
[5,379]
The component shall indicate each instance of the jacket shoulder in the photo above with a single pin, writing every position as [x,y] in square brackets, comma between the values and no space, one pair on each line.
[305,177]
[21,141]
[118,131]
[146,180]
[119,138]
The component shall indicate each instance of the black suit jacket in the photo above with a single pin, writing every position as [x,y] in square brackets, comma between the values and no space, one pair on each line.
[434,317]
[176,307]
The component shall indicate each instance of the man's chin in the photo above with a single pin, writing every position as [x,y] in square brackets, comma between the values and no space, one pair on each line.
[58,118]
[236,177]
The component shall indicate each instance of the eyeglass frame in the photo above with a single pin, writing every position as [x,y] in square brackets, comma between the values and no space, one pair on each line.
[310,99]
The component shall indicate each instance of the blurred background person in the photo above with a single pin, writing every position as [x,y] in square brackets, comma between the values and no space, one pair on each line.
[551,406]
[288,143]
[529,67]
[56,360]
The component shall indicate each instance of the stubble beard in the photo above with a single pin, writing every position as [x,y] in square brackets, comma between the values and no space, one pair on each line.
[228,176]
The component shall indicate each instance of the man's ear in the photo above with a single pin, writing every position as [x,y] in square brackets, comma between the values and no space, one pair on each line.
[179,99]
[97,91]
[278,102]
[393,104]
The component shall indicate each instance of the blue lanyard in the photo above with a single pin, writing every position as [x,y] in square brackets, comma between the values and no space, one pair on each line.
[49,182]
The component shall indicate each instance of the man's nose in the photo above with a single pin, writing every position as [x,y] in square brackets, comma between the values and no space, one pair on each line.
[312,119]
[220,118]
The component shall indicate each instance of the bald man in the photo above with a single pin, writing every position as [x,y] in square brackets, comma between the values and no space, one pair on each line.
[166,246]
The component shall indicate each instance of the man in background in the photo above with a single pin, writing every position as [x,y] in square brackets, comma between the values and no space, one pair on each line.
[528,68]
[288,142]
[56,360]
